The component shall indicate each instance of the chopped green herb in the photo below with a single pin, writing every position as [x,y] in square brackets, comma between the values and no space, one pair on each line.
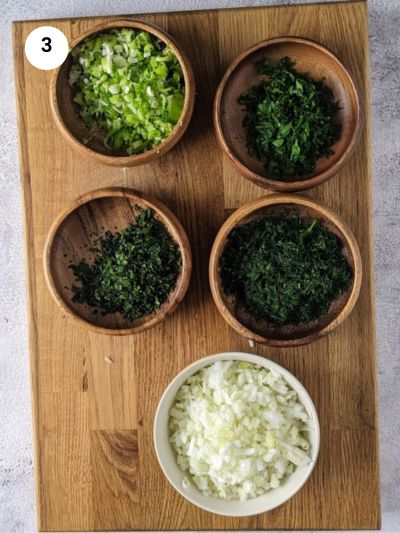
[284,269]
[133,272]
[290,121]
[130,86]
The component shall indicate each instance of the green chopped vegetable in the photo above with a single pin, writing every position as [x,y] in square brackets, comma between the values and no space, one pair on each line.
[290,121]
[284,269]
[133,271]
[130,86]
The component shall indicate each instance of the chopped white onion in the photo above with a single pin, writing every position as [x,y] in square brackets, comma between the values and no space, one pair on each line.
[238,430]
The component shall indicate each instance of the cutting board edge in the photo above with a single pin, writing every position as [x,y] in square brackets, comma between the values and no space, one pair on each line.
[29,238]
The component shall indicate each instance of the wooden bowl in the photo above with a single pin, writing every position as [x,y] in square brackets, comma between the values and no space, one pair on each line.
[310,57]
[262,331]
[69,241]
[65,111]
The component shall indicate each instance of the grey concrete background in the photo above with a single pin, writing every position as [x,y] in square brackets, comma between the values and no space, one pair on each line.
[16,479]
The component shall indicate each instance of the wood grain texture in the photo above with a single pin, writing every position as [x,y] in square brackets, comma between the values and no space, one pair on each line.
[94,397]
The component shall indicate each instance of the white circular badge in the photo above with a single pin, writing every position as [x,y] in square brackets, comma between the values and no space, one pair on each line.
[46,47]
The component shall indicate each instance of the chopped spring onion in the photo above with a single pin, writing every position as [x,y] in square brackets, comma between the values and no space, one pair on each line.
[130,85]
[238,430]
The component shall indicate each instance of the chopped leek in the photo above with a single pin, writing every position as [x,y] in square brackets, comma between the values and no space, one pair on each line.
[130,86]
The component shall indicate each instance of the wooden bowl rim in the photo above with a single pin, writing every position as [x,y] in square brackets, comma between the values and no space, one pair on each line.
[179,128]
[275,200]
[163,212]
[258,179]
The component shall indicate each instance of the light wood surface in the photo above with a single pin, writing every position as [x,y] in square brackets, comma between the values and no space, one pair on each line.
[311,58]
[71,237]
[263,331]
[94,396]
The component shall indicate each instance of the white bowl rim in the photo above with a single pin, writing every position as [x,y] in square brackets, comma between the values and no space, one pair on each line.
[209,503]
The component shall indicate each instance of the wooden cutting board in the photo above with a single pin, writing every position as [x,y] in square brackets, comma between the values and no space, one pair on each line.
[94,396]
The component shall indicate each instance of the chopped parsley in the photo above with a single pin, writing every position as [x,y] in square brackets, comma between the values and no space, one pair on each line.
[290,120]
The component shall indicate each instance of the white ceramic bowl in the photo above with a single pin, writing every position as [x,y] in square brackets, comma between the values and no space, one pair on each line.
[167,457]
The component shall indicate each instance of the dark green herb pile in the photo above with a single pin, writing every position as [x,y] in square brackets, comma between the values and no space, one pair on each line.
[290,120]
[133,272]
[283,269]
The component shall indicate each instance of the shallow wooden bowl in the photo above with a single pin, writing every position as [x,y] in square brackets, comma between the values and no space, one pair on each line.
[65,111]
[311,58]
[69,241]
[261,330]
